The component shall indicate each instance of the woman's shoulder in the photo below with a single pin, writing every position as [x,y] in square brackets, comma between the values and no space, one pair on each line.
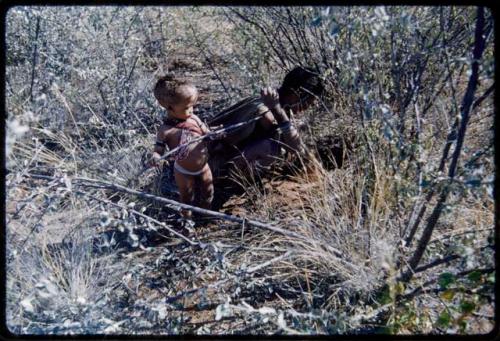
[249,104]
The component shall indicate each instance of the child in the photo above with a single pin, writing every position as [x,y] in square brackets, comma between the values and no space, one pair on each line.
[179,127]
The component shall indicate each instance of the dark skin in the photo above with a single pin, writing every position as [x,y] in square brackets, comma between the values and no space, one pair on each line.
[196,159]
[264,151]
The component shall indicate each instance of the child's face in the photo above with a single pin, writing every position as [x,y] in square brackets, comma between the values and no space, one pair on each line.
[183,108]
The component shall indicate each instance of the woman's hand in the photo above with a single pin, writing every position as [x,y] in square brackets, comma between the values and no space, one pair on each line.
[270,97]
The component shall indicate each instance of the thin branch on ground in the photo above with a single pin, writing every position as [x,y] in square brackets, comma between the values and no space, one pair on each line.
[86,182]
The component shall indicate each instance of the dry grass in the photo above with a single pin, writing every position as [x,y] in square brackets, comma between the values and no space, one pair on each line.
[93,115]
[326,211]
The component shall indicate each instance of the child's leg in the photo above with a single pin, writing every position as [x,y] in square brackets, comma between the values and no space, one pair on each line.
[185,184]
[206,188]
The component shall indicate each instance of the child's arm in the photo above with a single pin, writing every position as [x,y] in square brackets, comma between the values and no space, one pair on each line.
[159,148]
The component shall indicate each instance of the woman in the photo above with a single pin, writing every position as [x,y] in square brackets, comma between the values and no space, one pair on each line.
[259,144]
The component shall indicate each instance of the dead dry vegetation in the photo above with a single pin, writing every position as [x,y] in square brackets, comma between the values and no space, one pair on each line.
[399,238]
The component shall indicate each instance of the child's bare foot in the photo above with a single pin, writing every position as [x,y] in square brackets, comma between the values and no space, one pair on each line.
[187,223]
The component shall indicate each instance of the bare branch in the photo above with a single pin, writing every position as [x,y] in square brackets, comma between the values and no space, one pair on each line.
[421,288]
[86,182]
[180,235]
[465,110]
[35,55]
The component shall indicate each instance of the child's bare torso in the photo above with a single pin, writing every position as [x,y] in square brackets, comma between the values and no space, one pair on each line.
[193,156]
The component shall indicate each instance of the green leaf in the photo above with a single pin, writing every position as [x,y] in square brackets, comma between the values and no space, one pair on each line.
[444,319]
[399,288]
[467,307]
[474,276]
[384,295]
[448,295]
[384,330]
[445,279]
[462,325]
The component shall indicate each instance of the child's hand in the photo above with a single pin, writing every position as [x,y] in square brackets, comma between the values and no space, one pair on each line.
[270,97]
[154,161]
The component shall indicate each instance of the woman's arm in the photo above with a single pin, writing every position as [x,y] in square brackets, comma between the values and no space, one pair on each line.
[289,135]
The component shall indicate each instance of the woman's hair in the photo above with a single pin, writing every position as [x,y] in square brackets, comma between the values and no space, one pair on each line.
[168,88]
[302,80]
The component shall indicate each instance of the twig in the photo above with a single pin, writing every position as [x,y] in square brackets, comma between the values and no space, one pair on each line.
[267,263]
[35,54]
[486,94]
[242,231]
[180,235]
[437,262]
[86,182]
[265,34]
[209,61]
[209,135]
[467,103]
[459,233]
[447,259]
[104,99]
[251,248]
[61,97]
[421,288]
[212,134]
[182,294]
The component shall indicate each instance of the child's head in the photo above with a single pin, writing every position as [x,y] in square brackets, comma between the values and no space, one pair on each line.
[300,88]
[176,95]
